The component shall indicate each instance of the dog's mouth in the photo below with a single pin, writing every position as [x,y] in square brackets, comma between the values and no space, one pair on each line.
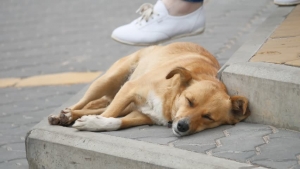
[177,133]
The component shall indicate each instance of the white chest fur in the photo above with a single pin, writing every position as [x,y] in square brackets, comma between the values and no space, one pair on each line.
[153,108]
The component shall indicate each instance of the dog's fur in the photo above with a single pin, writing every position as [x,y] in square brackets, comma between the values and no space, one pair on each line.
[156,85]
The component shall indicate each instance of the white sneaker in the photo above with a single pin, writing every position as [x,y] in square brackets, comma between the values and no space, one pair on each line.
[156,25]
[287,2]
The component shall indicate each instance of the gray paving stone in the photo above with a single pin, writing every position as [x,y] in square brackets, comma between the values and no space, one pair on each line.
[202,141]
[15,164]
[284,133]
[276,164]
[281,150]
[296,166]
[154,134]
[18,130]
[15,147]
[241,141]
[18,117]
[18,100]
[7,155]
[6,138]
[159,140]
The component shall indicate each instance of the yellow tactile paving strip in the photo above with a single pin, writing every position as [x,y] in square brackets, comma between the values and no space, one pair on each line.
[283,46]
[68,78]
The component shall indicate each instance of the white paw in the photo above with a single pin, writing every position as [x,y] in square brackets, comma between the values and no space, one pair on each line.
[97,123]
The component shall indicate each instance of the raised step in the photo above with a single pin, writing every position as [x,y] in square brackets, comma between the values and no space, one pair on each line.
[266,69]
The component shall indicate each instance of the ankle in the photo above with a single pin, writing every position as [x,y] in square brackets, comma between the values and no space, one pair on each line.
[180,7]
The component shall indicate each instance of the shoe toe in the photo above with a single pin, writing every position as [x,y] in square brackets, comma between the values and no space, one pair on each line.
[131,34]
[124,34]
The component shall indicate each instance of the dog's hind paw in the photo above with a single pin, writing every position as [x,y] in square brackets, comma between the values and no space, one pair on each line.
[54,120]
[97,123]
[65,117]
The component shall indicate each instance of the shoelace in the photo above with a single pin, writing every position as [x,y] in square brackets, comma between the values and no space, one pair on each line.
[146,10]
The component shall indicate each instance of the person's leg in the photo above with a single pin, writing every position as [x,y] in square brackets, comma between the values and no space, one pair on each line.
[166,20]
[181,7]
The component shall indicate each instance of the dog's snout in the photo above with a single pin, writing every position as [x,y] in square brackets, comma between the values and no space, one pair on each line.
[182,126]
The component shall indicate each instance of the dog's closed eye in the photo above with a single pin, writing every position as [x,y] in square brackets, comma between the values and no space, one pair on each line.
[208,117]
[191,104]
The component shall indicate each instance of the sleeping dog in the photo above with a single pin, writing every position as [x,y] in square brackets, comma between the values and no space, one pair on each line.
[157,85]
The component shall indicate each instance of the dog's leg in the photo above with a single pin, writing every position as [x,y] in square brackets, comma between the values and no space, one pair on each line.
[126,95]
[109,83]
[69,116]
[99,103]
[99,123]
[135,118]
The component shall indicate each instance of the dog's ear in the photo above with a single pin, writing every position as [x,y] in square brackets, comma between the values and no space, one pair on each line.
[240,109]
[185,75]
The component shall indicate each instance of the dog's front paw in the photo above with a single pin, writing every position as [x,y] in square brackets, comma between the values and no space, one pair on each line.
[97,123]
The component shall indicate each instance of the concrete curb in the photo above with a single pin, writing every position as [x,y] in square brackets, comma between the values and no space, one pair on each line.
[50,147]
[266,85]
[273,92]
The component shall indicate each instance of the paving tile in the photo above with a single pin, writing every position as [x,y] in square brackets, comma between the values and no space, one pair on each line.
[202,141]
[154,134]
[241,141]
[281,150]
[7,155]
[15,164]
[282,47]
[296,166]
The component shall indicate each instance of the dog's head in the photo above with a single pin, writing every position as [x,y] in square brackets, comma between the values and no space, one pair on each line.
[204,104]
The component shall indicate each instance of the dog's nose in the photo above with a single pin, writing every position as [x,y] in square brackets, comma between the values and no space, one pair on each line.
[183,126]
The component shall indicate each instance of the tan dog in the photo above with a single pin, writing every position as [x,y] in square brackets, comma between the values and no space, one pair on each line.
[156,85]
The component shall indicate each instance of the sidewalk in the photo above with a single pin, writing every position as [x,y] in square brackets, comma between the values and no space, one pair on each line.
[43,37]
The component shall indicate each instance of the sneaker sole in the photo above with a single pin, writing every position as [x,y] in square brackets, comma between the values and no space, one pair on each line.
[197,32]
[286,3]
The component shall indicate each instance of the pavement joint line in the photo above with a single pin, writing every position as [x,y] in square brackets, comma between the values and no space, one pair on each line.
[249,162]
[226,133]
[274,129]
[266,139]
[209,152]
[218,143]
[171,144]
[258,151]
